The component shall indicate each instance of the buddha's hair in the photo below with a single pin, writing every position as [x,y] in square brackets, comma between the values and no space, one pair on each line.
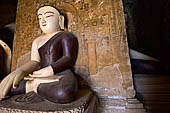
[50,6]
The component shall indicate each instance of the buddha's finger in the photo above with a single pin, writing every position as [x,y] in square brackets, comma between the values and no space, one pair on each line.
[37,72]
[28,78]
[38,75]
[46,80]
[17,79]
[34,75]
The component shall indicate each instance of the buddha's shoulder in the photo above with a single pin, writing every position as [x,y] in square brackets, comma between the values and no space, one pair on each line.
[68,35]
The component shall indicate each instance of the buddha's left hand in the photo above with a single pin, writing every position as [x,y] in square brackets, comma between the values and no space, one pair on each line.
[44,72]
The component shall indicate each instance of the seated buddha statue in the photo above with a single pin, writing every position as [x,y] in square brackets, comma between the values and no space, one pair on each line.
[53,54]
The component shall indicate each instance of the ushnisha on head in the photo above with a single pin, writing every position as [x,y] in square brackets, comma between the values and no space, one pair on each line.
[50,19]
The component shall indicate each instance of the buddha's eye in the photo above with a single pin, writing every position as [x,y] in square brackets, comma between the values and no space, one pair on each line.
[39,16]
[49,16]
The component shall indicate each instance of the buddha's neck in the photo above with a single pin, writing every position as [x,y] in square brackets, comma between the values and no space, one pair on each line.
[53,33]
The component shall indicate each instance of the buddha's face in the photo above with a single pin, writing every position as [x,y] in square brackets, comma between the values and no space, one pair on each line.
[48,19]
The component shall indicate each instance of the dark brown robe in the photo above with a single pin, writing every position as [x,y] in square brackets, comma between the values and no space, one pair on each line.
[61,53]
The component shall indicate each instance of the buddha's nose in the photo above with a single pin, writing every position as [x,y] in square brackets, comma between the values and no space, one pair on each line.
[43,21]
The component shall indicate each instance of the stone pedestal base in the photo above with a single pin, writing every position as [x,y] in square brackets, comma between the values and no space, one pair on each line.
[32,103]
[113,105]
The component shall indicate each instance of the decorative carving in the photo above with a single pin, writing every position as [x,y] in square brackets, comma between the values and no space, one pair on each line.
[28,98]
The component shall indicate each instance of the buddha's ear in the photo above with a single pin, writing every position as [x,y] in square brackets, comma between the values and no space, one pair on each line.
[61,22]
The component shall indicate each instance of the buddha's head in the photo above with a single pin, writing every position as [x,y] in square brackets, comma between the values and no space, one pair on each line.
[50,19]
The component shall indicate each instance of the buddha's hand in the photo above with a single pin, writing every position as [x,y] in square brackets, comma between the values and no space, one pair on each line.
[18,77]
[47,79]
[44,72]
[33,83]
[11,79]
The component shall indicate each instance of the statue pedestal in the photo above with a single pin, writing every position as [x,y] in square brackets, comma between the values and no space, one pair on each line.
[32,103]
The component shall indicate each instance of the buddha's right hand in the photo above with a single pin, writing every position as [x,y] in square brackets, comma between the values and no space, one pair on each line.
[11,79]
[18,77]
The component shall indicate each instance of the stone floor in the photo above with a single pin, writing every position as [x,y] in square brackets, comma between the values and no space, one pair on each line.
[111,105]
[153,91]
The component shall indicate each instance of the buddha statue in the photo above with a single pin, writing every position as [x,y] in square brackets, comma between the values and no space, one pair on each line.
[53,54]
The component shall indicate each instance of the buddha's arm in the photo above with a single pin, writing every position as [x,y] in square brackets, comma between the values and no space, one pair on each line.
[26,69]
[70,50]
[29,67]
